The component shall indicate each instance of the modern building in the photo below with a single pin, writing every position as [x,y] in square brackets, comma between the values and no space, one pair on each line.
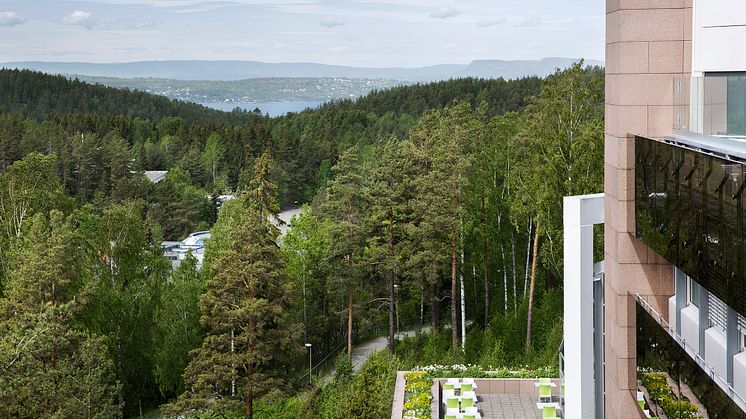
[155,176]
[176,251]
[672,295]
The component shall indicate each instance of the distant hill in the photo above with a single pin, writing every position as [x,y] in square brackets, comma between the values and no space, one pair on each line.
[38,95]
[238,70]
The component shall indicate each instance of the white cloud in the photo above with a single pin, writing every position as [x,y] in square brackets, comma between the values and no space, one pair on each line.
[486,23]
[10,19]
[331,22]
[529,22]
[444,13]
[79,17]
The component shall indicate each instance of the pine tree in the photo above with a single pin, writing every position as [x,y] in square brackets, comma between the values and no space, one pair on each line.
[51,368]
[345,208]
[444,140]
[391,191]
[246,313]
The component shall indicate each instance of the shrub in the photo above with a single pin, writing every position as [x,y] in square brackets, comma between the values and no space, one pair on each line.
[343,368]
[662,395]
[367,394]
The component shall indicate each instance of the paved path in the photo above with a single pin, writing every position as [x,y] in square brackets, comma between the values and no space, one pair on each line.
[365,350]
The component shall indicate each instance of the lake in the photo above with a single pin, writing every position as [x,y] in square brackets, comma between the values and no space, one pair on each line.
[271,108]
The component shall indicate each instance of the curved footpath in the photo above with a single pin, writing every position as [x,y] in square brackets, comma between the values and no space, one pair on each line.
[365,350]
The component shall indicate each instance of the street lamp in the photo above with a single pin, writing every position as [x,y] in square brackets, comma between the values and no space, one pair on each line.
[310,365]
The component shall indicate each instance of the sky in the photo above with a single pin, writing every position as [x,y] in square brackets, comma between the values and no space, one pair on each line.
[372,33]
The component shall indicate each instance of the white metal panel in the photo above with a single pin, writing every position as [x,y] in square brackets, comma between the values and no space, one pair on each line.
[718,36]
[690,328]
[715,354]
[672,312]
[721,12]
[721,49]
[739,374]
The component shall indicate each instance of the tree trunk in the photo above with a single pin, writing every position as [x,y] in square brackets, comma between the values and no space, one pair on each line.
[486,285]
[250,403]
[528,256]
[505,278]
[392,292]
[454,318]
[531,290]
[233,366]
[422,304]
[120,362]
[349,320]
[54,325]
[250,357]
[515,290]
[349,305]
[435,315]
[463,299]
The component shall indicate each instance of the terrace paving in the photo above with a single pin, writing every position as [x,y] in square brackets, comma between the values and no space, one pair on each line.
[508,406]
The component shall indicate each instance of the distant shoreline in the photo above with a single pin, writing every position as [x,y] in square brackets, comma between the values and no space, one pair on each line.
[278,108]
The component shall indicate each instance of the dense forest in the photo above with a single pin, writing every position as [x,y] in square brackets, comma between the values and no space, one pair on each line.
[426,204]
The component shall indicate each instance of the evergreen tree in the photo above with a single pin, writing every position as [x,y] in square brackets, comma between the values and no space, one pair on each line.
[391,192]
[250,336]
[445,140]
[345,207]
[50,367]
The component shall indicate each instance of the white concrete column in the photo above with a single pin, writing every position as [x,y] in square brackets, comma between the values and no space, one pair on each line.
[580,214]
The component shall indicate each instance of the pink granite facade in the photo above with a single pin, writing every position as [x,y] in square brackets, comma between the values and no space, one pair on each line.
[648,44]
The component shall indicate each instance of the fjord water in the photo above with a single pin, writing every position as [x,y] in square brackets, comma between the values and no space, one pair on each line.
[270,108]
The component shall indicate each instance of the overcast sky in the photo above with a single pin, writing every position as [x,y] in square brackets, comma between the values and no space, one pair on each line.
[376,33]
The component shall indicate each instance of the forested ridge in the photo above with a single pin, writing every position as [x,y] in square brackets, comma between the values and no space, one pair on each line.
[38,95]
[420,200]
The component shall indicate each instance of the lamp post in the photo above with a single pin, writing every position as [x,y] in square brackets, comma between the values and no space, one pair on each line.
[310,364]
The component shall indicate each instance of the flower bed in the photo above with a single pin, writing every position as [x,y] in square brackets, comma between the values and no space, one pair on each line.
[418,396]
[662,395]
[476,371]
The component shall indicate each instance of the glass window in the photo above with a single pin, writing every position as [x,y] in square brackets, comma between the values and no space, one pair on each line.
[692,292]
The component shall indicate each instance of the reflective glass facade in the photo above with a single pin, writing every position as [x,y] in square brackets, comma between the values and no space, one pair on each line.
[689,208]
[659,353]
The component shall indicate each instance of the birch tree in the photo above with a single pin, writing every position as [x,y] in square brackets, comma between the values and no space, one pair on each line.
[562,156]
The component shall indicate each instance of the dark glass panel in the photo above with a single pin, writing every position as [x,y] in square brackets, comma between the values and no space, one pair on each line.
[658,352]
[689,208]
